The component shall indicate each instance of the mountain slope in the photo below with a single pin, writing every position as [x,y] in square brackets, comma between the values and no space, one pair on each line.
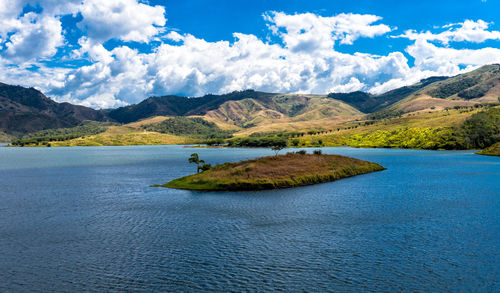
[178,106]
[478,86]
[280,108]
[467,86]
[24,110]
[241,109]
[369,103]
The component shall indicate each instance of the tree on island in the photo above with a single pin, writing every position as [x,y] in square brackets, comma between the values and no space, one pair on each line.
[278,145]
[201,165]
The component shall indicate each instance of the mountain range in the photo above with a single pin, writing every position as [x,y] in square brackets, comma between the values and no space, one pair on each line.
[25,110]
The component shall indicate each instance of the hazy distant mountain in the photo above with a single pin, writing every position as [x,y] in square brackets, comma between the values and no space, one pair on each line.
[24,110]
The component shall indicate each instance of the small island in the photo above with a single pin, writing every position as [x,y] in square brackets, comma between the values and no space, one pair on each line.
[493,150]
[273,172]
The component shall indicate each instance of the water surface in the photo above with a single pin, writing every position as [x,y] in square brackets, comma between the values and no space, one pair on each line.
[85,219]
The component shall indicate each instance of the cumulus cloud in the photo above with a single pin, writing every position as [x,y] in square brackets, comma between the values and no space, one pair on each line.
[311,32]
[193,66]
[447,61]
[196,67]
[302,57]
[127,20]
[467,31]
[29,36]
[35,37]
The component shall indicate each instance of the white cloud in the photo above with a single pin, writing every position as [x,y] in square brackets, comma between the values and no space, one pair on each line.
[447,61]
[467,31]
[196,67]
[127,20]
[310,32]
[35,37]
[101,101]
[304,59]
[29,36]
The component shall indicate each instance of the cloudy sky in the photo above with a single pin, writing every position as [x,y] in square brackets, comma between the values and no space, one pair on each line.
[109,53]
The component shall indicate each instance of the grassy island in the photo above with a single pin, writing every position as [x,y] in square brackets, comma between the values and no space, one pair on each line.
[493,150]
[283,171]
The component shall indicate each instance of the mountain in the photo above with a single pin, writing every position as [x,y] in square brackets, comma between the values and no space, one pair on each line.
[24,110]
[478,86]
[178,106]
[369,103]
[241,108]
[279,108]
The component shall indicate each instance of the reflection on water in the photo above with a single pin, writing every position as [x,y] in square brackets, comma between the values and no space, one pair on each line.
[86,219]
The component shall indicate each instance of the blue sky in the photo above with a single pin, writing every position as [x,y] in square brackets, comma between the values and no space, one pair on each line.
[116,52]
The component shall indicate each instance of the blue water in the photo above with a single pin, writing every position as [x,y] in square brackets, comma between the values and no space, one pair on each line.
[85,219]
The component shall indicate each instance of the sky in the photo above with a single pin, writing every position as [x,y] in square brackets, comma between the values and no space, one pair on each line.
[106,54]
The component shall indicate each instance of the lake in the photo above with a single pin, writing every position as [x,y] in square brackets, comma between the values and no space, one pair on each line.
[85,219]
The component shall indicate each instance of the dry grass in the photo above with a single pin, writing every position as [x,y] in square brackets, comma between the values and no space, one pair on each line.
[5,137]
[425,102]
[122,135]
[152,120]
[287,125]
[272,172]
[317,112]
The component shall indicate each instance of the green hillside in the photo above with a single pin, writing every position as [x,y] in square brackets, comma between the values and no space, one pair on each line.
[192,127]
[478,86]
[429,114]
[493,150]
[48,136]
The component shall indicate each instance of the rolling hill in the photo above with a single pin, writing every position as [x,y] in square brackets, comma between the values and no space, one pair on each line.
[24,110]
[368,103]
[249,112]
[479,86]
[178,106]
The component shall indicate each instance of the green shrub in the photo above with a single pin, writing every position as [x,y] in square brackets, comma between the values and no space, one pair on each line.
[61,134]
[481,129]
[260,142]
[451,88]
[193,127]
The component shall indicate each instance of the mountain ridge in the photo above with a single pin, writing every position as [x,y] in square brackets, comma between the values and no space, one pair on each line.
[24,110]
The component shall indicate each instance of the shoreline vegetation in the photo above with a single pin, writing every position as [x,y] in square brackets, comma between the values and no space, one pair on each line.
[493,150]
[436,113]
[459,128]
[275,172]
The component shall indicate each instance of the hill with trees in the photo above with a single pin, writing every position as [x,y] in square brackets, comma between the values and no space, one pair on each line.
[24,110]
[435,113]
[368,103]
